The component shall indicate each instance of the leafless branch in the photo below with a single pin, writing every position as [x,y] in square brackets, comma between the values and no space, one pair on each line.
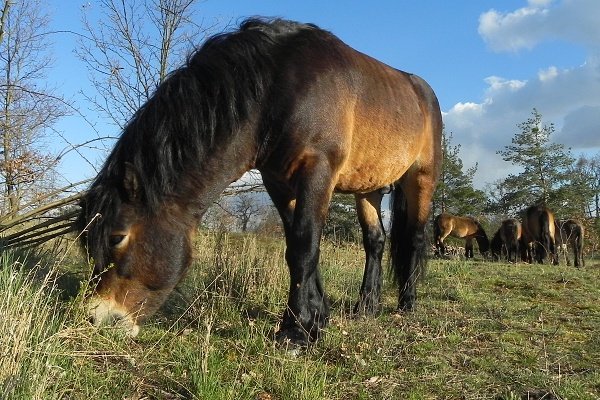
[39,211]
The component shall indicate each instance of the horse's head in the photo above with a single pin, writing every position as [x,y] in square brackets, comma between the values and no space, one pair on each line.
[496,247]
[482,239]
[139,256]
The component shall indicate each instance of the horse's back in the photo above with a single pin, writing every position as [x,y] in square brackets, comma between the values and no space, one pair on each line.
[372,122]
[569,230]
[456,226]
[538,219]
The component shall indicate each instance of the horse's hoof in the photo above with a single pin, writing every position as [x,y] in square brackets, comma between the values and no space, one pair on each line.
[367,309]
[406,307]
[292,349]
[292,340]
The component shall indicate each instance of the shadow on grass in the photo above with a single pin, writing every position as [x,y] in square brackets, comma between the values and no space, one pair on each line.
[41,264]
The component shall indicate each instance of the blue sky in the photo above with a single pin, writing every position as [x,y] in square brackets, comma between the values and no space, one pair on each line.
[490,63]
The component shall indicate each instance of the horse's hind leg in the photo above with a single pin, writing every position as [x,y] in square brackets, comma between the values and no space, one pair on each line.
[578,249]
[469,248]
[515,250]
[578,252]
[565,249]
[369,215]
[553,252]
[411,206]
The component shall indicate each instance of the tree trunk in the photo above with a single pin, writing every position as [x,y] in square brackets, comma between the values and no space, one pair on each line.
[11,201]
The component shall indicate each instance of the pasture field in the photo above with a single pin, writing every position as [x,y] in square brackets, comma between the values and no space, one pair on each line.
[481,331]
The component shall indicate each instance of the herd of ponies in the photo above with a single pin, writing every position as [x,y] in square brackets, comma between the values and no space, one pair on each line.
[537,237]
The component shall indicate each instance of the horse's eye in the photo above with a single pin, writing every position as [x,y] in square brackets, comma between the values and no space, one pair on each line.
[115,240]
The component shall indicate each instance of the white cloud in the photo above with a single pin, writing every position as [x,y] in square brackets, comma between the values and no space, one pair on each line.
[581,128]
[570,20]
[497,83]
[512,31]
[467,107]
[567,97]
[548,74]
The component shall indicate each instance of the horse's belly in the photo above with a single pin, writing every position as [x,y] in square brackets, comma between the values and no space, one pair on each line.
[369,176]
[377,161]
[381,151]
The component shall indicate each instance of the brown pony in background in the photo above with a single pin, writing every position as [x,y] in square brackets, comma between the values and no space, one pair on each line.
[467,228]
[570,232]
[538,239]
[314,116]
[506,240]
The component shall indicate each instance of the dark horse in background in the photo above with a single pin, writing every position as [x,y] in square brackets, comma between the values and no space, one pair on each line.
[497,247]
[570,232]
[459,227]
[506,240]
[314,116]
[538,235]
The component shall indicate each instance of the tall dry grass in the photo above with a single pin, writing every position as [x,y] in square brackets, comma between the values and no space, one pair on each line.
[31,320]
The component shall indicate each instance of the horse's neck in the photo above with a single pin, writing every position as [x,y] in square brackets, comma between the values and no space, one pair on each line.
[226,163]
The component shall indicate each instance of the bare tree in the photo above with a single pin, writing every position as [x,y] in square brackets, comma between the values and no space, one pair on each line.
[245,208]
[28,108]
[270,222]
[218,217]
[131,48]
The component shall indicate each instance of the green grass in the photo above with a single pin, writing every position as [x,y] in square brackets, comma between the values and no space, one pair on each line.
[481,331]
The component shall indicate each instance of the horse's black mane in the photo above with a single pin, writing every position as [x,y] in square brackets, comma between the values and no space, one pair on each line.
[196,107]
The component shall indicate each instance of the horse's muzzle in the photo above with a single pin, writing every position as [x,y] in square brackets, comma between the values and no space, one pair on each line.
[102,311]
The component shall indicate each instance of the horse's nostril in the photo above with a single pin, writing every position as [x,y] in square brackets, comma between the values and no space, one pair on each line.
[92,320]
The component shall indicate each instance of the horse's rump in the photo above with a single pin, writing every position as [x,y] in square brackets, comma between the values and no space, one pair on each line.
[510,233]
[570,232]
[539,232]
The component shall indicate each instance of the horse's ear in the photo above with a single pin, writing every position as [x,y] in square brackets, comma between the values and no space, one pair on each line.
[131,182]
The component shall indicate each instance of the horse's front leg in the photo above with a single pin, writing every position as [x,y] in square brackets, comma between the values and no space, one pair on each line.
[441,248]
[307,310]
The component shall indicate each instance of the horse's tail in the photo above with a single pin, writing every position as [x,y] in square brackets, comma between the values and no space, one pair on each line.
[510,232]
[407,243]
[545,239]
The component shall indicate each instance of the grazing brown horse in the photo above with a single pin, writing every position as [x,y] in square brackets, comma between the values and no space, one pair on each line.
[313,116]
[459,227]
[570,232]
[538,235]
[497,247]
[506,240]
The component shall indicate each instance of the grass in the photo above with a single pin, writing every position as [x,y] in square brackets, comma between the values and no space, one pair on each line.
[482,330]
[30,326]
